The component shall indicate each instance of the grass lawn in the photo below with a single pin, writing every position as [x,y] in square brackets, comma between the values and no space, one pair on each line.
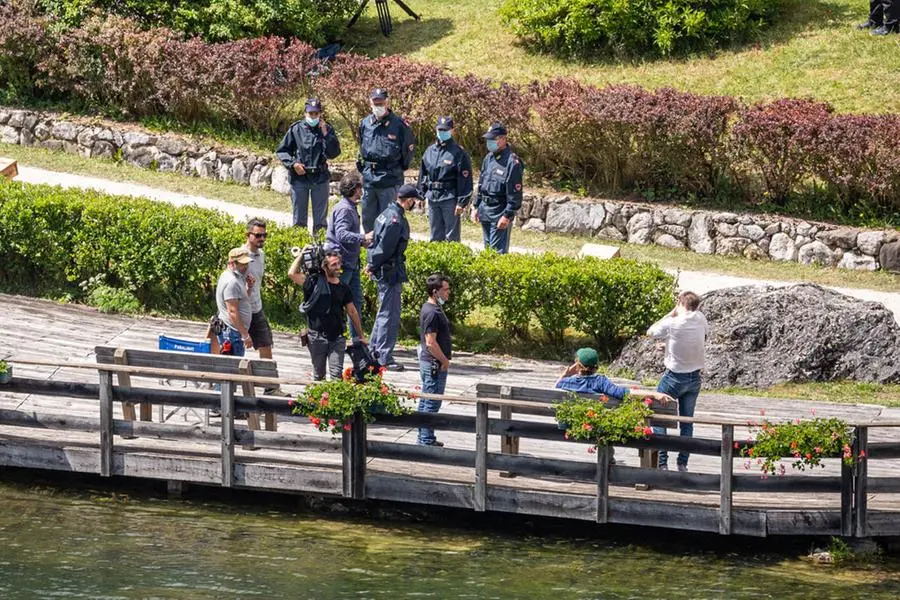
[813,50]
[684,260]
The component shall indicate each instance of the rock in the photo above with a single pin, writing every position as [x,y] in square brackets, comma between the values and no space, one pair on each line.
[668,241]
[699,239]
[534,224]
[858,262]
[171,145]
[725,217]
[842,237]
[611,233]
[639,228]
[54,145]
[727,229]
[224,172]
[538,209]
[42,132]
[4,117]
[731,246]
[140,157]
[676,216]
[805,229]
[137,138]
[64,131]
[815,253]
[165,163]
[261,177]
[86,137]
[105,135]
[575,217]
[761,335]
[782,247]
[26,138]
[524,211]
[9,135]
[754,252]
[752,231]
[676,231]
[102,149]
[822,558]
[889,257]
[280,180]
[207,166]
[658,218]
[17,119]
[239,172]
[869,242]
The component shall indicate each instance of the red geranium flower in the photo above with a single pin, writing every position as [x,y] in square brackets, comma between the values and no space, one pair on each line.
[648,431]
[587,426]
[347,427]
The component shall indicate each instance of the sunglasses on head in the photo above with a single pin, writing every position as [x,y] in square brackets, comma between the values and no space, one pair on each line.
[259,235]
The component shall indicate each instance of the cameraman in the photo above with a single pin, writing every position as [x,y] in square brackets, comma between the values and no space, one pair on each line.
[325,298]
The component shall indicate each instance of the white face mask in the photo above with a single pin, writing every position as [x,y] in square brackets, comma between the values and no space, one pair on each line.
[440,300]
[379,111]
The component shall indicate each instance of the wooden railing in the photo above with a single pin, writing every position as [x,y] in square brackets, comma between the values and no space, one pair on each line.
[854,483]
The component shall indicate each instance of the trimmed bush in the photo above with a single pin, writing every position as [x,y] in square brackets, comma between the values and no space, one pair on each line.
[587,27]
[120,253]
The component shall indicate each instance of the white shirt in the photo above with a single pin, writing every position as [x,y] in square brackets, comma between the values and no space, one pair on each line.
[257,269]
[685,337]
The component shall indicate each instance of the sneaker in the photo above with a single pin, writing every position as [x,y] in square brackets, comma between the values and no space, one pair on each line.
[434,443]
[869,24]
[663,467]
[276,391]
[682,469]
[397,367]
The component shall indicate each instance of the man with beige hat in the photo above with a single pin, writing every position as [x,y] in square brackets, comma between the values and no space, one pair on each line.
[233,302]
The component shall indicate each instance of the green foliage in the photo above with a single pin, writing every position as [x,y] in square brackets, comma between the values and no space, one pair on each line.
[4,367]
[807,442]
[331,405]
[109,299]
[315,21]
[588,420]
[585,27]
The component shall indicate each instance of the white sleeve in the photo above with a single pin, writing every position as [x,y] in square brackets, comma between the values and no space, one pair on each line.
[660,330]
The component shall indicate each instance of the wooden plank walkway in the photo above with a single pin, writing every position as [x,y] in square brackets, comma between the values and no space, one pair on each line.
[63,333]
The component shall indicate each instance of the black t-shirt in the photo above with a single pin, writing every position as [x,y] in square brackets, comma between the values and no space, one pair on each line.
[328,318]
[433,320]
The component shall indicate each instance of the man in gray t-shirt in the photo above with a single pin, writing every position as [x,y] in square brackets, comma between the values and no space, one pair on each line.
[234,305]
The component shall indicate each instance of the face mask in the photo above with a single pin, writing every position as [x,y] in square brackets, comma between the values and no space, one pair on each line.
[492,145]
[379,111]
[312,122]
[440,300]
[444,135]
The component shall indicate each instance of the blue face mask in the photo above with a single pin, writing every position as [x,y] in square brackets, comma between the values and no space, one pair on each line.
[492,145]
[443,135]
[312,122]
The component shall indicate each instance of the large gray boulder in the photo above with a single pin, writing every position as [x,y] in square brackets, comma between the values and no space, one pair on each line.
[760,336]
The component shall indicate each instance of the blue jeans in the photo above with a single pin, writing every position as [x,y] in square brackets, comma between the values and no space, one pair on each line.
[430,385]
[684,387]
[374,201]
[351,278]
[496,239]
[444,221]
[387,322]
[237,343]
[301,194]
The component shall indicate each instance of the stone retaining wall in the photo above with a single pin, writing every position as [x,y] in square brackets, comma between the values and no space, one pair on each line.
[705,232]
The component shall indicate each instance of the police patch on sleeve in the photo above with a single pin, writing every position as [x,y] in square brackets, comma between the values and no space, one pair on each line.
[518,187]
[465,173]
[411,146]
[381,219]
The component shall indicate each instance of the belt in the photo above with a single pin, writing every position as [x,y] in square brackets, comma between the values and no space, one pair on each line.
[379,164]
[493,200]
[437,185]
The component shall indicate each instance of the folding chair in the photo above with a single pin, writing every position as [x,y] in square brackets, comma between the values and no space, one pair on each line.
[177,345]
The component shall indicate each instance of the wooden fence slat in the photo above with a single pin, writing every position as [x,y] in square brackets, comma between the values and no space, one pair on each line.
[227,414]
[249,391]
[603,458]
[124,380]
[508,444]
[725,482]
[861,482]
[481,448]
[106,424]
[846,500]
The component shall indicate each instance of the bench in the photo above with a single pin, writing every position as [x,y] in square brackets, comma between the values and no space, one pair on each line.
[184,361]
[510,444]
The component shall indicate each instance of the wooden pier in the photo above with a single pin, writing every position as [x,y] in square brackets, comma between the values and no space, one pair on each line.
[67,415]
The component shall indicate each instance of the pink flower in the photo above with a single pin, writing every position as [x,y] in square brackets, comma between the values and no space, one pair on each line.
[323,401]
[591,449]
[291,403]
[747,465]
[332,422]
[762,412]
[736,445]
[316,421]
[566,435]
[347,427]
[862,453]
[648,401]
[648,431]
[325,396]
[587,427]
[818,450]
[781,470]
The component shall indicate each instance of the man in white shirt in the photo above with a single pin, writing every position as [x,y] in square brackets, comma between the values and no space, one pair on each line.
[684,332]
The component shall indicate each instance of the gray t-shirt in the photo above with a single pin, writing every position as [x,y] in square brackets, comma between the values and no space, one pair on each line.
[257,268]
[233,286]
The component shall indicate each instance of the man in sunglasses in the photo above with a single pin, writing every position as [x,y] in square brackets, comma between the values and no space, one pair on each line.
[260,332]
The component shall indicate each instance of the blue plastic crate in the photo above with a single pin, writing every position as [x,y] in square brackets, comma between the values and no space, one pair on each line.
[170,343]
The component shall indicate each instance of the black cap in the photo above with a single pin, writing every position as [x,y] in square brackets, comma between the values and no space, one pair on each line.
[495,131]
[408,191]
[313,105]
[378,94]
[445,123]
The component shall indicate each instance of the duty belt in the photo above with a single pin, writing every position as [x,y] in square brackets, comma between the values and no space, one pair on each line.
[437,185]
[379,164]
[493,200]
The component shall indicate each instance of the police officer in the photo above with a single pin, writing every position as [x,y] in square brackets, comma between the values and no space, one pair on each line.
[445,176]
[386,146]
[499,190]
[387,266]
[304,151]
[884,17]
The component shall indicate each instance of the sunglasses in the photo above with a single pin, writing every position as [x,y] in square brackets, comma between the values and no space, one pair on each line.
[259,235]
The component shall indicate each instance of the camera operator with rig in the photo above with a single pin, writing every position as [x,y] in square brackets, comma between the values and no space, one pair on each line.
[325,300]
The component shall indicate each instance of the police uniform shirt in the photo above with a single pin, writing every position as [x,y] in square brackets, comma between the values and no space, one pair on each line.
[386,149]
[306,145]
[500,184]
[387,255]
[446,173]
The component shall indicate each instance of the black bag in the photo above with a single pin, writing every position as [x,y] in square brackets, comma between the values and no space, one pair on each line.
[319,300]
[363,359]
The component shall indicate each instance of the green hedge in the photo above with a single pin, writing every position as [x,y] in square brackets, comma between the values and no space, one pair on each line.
[88,246]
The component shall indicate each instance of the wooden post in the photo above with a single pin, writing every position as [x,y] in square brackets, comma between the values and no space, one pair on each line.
[509,444]
[846,500]
[726,480]
[481,448]
[271,422]
[603,455]
[353,459]
[861,482]
[249,391]
[106,423]
[227,412]
[124,380]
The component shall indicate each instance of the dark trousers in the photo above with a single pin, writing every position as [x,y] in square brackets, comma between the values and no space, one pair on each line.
[444,221]
[885,12]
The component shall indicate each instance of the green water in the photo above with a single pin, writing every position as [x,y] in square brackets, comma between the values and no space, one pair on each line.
[56,543]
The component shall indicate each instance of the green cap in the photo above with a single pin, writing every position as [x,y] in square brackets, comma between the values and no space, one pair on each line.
[588,357]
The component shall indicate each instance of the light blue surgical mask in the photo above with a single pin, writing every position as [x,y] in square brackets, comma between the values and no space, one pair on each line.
[440,300]
[492,145]
[312,122]
[444,135]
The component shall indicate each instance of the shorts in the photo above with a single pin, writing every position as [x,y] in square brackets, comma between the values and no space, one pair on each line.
[259,330]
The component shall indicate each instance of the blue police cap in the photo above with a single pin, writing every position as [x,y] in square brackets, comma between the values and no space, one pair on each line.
[313,105]
[495,131]
[378,94]
[445,123]
[408,191]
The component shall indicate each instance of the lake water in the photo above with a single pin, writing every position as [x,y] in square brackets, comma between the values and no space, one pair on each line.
[78,543]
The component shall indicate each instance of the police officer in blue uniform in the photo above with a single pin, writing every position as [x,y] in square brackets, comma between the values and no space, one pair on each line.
[304,151]
[445,177]
[387,266]
[386,146]
[499,190]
